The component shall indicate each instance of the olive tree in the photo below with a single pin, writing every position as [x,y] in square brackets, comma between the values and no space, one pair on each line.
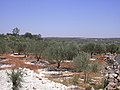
[81,63]
[71,50]
[89,48]
[20,47]
[55,52]
[38,48]
[112,48]
[3,46]
[99,48]
[12,45]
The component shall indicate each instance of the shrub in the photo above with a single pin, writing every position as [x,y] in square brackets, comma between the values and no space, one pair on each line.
[16,77]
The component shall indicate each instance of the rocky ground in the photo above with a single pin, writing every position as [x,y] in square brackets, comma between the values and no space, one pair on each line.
[112,77]
[32,81]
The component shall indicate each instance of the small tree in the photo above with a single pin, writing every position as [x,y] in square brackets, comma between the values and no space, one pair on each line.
[16,77]
[81,63]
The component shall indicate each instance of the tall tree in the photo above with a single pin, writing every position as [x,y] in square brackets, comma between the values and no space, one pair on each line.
[56,52]
[38,48]
[16,31]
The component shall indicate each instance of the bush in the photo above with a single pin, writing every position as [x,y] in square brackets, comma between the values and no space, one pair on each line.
[16,77]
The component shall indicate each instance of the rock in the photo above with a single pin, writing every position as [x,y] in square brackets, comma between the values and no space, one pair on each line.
[92,88]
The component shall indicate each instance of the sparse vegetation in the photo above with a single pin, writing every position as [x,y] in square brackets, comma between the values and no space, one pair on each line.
[16,77]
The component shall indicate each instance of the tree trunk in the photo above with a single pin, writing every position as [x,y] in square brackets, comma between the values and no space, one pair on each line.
[85,77]
[91,54]
[58,64]
[38,58]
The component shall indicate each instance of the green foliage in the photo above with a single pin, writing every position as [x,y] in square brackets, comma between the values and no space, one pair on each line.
[29,46]
[94,67]
[81,62]
[16,77]
[118,49]
[70,51]
[12,45]
[3,46]
[89,48]
[16,31]
[38,48]
[28,35]
[99,48]
[55,52]
[94,48]
[20,47]
[112,48]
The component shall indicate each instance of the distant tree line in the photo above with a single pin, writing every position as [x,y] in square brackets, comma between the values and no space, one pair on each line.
[16,36]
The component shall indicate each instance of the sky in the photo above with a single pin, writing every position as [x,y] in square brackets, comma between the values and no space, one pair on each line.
[62,18]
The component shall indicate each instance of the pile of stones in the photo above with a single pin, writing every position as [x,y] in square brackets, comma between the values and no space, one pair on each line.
[112,77]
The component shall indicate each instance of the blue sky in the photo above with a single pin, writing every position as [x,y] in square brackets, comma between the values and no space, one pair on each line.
[62,18]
